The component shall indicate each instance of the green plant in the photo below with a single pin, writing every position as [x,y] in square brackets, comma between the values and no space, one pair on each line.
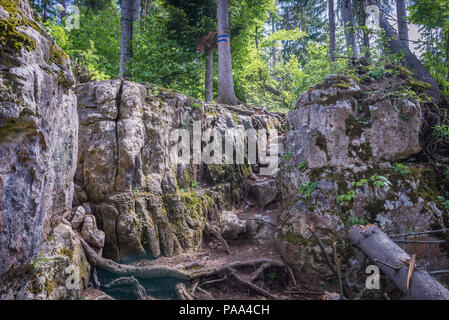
[441,132]
[380,181]
[303,165]
[196,105]
[346,198]
[307,189]
[359,183]
[194,184]
[400,168]
[443,201]
[355,221]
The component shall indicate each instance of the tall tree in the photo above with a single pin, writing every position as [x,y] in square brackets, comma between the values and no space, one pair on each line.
[126,37]
[348,19]
[401,12]
[331,30]
[397,46]
[226,93]
[206,45]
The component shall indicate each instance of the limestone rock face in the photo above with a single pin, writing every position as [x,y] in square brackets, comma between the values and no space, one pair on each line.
[146,204]
[339,169]
[38,135]
[329,127]
[60,271]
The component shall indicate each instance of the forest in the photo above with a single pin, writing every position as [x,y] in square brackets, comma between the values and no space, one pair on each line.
[279,48]
[224,150]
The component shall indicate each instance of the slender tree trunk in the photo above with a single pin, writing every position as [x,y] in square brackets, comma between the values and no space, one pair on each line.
[226,93]
[348,20]
[209,84]
[420,72]
[447,52]
[137,11]
[126,37]
[63,13]
[331,30]
[401,11]
[273,49]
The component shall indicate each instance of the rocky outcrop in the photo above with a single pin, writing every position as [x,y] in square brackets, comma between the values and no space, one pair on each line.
[341,168]
[60,270]
[38,134]
[145,203]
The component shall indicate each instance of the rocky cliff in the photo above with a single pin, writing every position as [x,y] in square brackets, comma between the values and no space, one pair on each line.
[38,134]
[87,180]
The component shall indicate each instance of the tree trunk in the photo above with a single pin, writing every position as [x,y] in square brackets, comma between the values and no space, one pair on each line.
[126,37]
[331,30]
[63,13]
[226,93]
[411,61]
[447,52]
[209,84]
[348,20]
[401,11]
[379,247]
[273,49]
[137,11]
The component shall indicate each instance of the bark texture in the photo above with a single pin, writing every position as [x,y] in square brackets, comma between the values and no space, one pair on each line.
[401,12]
[209,85]
[348,20]
[379,247]
[126,37]
[331,30]
[226,93]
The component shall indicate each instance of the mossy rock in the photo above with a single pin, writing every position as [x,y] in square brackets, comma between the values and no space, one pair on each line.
[420,85]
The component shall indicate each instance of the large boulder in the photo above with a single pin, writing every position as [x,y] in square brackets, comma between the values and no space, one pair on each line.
[38,134]
[341,168]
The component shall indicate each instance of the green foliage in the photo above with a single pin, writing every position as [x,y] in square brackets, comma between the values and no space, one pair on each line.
[441,132]
[346,198]
[380,181]
[307,189]
[400,168]
[359,183]
[356,221]
[95,44]
[303,165]
[443,201]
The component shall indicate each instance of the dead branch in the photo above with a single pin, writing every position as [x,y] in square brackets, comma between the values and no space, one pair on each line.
[337,265]
[323,250]
[217,234]
[379,247]
[253,286]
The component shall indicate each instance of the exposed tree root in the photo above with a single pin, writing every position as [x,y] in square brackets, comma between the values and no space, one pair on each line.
[260,271]
[128,286]
[152,272]
[182,292]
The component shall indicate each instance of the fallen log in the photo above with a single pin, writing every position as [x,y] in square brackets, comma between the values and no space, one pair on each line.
[394,262]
